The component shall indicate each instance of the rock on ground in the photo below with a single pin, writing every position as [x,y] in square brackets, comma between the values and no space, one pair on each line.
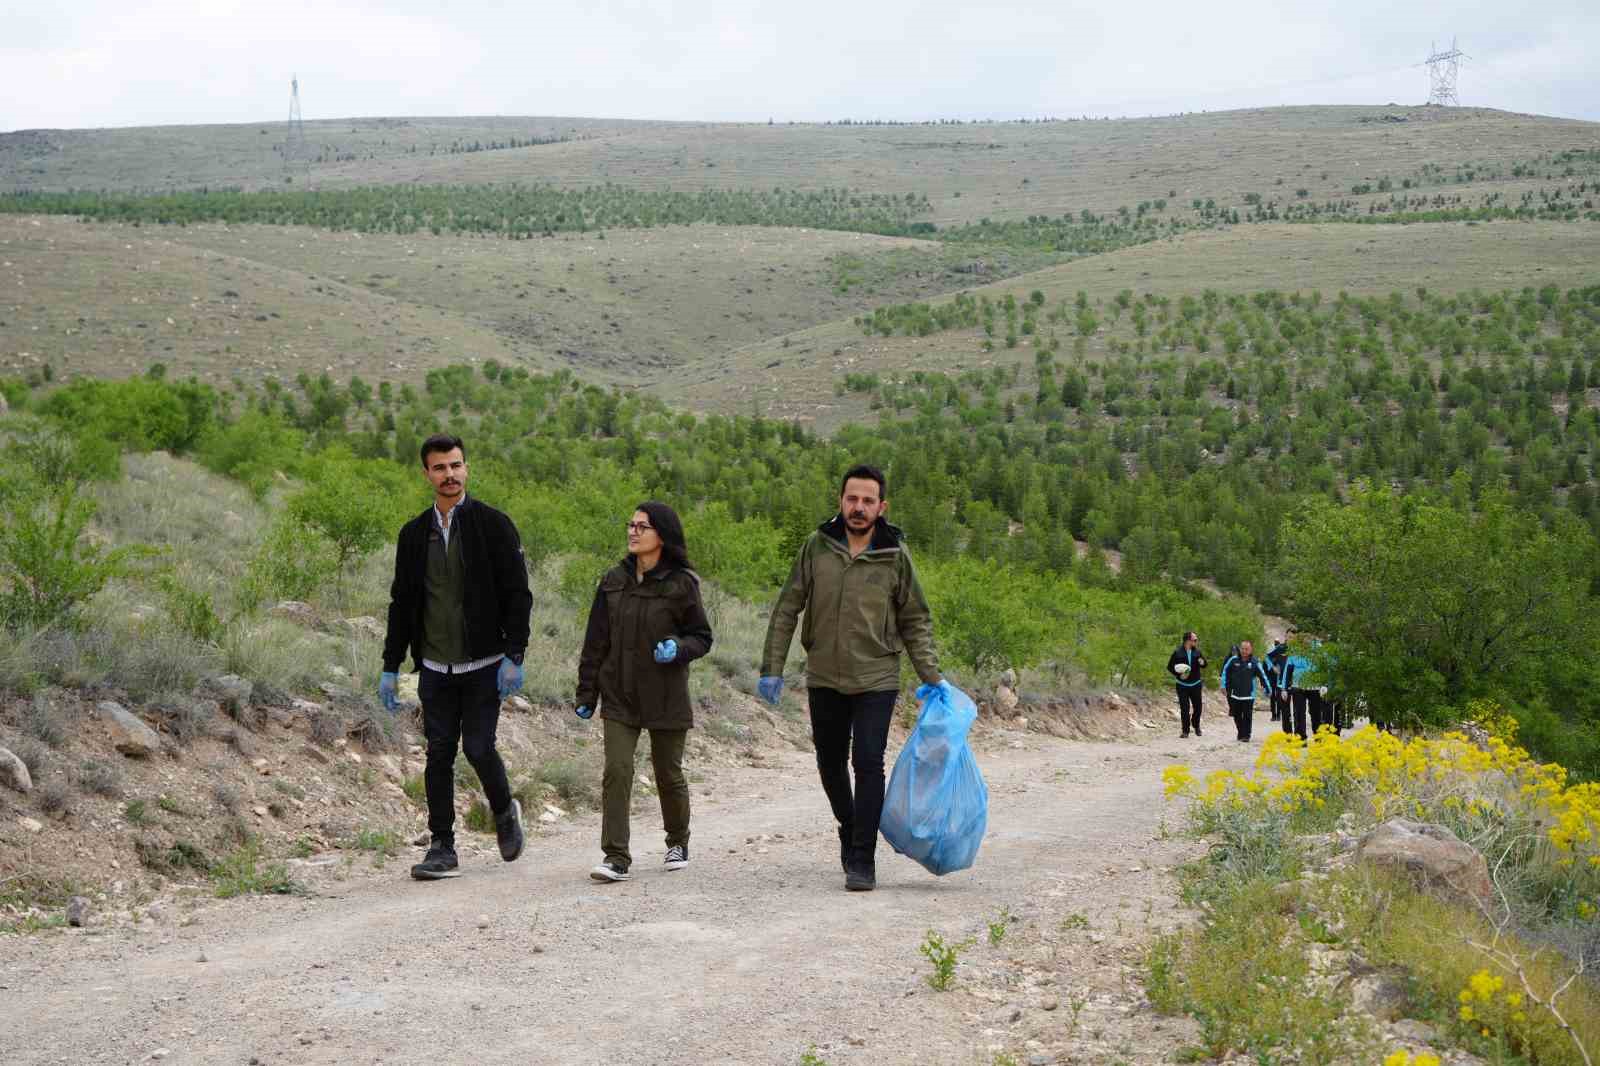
[128,734]
[14,772]
[1430,853]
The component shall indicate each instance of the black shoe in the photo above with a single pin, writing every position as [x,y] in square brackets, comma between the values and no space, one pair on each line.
[439,863]
[677,857]
[1197,732]
[861,877]
[508,830]
[610,870]
[1183,735]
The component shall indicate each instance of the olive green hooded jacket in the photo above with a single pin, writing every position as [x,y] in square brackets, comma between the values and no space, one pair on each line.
[859,613]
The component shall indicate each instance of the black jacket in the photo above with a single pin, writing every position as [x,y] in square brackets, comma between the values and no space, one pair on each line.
[495,590]
[1197,663]
[617,668]
[1239,677]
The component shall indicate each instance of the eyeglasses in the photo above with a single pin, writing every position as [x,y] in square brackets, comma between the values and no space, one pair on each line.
[639,527]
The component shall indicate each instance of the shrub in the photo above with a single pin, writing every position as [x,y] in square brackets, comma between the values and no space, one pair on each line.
[55,796]
[243,872]
[49,567]
[99,779]
[46,720]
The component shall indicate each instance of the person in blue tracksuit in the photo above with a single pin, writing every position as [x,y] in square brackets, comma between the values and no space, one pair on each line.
[1189,688]
[1239,676]
[1275,660]
[1293,680]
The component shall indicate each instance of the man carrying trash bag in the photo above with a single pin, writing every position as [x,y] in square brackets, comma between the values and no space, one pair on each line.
[854,581]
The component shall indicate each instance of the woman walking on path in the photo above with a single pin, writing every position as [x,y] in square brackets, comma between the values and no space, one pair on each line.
[645,627]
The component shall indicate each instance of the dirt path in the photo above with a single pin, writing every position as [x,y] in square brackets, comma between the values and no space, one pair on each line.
[753,955]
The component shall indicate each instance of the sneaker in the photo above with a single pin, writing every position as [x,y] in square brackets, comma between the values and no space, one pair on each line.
[439,863]
[860,878]
[610,870]
[677,857]
[508,830]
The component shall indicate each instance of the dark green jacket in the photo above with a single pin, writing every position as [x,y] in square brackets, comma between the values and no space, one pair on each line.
[617,670]
[859,613]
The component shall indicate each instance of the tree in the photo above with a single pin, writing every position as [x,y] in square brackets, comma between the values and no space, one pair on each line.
[1426,606]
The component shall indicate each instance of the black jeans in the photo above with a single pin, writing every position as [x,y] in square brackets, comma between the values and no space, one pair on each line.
[1323,712]
[852,731]
[1189,707]
[461,710]
[1294,720]
[1243,713]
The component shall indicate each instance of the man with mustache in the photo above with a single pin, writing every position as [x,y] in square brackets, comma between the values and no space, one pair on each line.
[855,583]
[459,605]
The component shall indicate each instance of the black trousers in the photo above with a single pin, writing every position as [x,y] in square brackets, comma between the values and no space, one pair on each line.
[1243,713]
[1189,707]
[1324,712]
[1294,720]
[460,710]
[851,732]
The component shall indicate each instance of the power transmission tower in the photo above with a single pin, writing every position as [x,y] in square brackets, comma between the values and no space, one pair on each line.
[1442,70]
[294,144]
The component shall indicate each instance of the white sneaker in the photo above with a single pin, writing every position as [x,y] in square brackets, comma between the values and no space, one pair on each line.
[609,871]
[677,857]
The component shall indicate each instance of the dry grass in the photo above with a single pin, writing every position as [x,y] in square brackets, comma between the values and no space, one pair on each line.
[999,170]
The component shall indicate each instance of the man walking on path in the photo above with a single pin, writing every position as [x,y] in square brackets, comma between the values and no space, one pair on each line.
[459,606]
[854,581]
[1187,656]
[1276,658]
[1239,675]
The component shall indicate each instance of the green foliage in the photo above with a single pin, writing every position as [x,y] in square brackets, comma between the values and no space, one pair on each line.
[1433,604]
[139,414]
[244,872]
[942,955]
[353,505]
[252,449]
[292,563]
[1000,926]
[48,566]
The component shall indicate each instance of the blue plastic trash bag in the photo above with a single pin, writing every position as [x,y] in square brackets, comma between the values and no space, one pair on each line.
[937,807]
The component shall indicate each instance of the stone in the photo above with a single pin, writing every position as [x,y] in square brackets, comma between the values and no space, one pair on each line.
[483,921]
[855,1040]
[1413,1031]
[261,766]
[1381,995]
[129,735]
[315,754]
[14,772]
[1005,699]
[77,912]
[1008,679]
[366,626]
[1431,854]
[228,688]
[295,611]
[520,705]
[202,957]
[160,1053]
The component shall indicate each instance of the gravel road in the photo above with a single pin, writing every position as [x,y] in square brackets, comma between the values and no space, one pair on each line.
[753,955]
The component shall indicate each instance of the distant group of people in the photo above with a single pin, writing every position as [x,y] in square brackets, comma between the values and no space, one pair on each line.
[460,605]
[1297,693]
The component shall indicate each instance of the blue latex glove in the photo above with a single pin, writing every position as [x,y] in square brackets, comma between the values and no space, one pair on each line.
[585,712]
[389,691]
[509,678]
[771,689]
[666,651]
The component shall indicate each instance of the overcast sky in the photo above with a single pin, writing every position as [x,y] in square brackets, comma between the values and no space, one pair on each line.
[115,63]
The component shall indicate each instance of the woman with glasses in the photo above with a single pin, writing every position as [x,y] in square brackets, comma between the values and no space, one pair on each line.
[645,627]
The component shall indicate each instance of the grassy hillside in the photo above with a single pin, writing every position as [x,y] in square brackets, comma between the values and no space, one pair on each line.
[968,171]
[793,377]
